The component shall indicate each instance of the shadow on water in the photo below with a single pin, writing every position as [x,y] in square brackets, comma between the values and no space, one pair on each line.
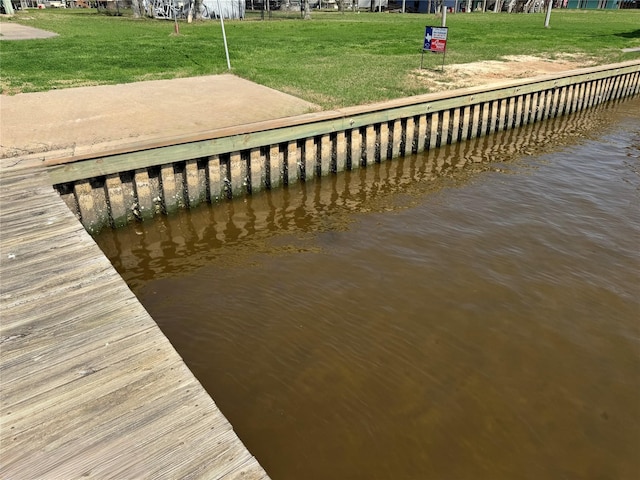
[467,313]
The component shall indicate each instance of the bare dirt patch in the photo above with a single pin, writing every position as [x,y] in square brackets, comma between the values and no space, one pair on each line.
[487,72]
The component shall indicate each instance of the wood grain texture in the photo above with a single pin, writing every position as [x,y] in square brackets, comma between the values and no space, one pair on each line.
[90,385]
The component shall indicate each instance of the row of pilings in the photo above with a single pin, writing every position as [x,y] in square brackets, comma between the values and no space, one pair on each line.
[118,187]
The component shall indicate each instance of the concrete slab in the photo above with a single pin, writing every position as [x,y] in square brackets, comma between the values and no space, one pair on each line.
[88,119]
[14,31]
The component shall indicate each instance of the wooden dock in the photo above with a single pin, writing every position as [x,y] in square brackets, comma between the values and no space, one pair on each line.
[90,387]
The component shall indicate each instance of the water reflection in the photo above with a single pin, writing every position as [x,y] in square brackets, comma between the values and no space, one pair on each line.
[166,246]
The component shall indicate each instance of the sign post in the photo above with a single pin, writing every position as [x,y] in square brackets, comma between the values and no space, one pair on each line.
[435,41]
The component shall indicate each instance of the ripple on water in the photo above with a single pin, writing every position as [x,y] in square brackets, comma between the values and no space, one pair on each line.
[467,313]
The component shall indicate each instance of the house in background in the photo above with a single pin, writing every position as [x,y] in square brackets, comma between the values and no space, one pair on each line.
[208,9]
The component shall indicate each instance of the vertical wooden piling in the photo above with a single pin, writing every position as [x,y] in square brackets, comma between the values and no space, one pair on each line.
[310,158]
[293,160]
[115,197]
[384,142]
[409,136]
[258,170]
[276,166]
[325,156]
[86,205]
[238,174]
[356,149]
[215,179]
[144,208]
[455,122]
[169,190]
[341,151]
[194,180]
[370,145]
[396,138]
[422,134]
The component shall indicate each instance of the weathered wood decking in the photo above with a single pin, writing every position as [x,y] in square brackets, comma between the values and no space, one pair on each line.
[90,387]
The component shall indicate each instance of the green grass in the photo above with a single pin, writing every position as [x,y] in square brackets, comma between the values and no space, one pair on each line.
[333,60]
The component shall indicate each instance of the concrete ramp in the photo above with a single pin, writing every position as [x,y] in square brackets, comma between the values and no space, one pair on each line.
[83,120]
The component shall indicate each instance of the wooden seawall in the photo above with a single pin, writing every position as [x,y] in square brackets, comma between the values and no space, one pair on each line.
[116,187]
[90,385]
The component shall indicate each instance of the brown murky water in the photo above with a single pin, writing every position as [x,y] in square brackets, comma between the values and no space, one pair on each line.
[470,313]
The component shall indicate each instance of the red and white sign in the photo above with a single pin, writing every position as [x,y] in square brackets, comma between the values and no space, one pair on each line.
[435,39]
[438,45]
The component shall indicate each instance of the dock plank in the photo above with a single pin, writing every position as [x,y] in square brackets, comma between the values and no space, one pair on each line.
[90,385]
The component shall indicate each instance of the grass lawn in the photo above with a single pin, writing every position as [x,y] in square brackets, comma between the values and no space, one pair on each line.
[334,59]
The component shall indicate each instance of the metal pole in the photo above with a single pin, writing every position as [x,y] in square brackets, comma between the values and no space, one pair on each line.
[224,36]
[444,15]
[546,20]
